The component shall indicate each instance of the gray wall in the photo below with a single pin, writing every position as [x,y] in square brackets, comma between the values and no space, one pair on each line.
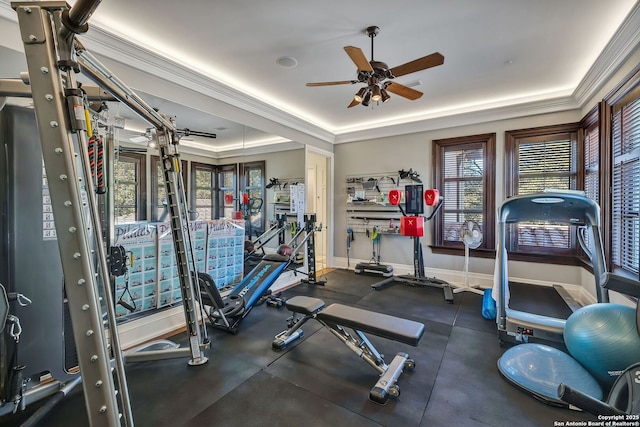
[415,151]
[390,154]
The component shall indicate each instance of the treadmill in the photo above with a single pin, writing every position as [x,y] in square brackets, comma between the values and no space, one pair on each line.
[533,313]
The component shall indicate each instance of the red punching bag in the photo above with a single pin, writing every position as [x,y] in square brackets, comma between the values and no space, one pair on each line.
[431,197]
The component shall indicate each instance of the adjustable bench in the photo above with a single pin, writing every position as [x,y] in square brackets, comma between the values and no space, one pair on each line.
[337,317]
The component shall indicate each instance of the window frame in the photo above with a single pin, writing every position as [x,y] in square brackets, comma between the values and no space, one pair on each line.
[589,125]
[245,169]
[139,160]
[626,91]
[513,139]
[488,144]
[213,170]
[233,190]
[156,182]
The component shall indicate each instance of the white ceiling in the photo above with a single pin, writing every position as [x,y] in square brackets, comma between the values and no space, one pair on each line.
[213,63]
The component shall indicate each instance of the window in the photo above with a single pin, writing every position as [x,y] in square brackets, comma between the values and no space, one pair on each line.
[129,188]
[591,146]
[159,207]
[465,175]
[539,159]
[590,137]
[625,185]
[253,175]
[227,189]
[203,190]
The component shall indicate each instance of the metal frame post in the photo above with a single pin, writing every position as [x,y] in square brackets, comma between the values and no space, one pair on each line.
[39,25]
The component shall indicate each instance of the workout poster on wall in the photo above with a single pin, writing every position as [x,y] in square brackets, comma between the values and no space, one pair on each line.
[168,281]
[198,231]
[138,287]
[225,251]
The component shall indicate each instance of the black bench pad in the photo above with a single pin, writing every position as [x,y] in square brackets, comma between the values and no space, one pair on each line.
[304,305]
[395,328]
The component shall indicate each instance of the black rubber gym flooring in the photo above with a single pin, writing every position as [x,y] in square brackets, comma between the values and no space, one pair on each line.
[318,381]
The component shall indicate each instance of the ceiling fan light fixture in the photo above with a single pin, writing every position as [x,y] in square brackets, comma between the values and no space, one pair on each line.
[367,98]
[375,93]
[360,95]
[373,74]
[384,95]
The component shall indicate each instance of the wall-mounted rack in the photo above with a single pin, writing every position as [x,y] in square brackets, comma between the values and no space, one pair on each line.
[367,201]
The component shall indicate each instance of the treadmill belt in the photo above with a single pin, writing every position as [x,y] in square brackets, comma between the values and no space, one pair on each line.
[536,299]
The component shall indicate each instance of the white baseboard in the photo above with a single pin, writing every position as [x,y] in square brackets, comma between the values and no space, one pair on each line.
[150,327]
[482,281]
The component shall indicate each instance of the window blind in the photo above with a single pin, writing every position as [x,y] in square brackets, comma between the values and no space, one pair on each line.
[547,164]
[591,146]
[463,189]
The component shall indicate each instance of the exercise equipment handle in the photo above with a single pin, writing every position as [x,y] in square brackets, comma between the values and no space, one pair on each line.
[75,19]
[395,196]
[82,10]
[436,208]
[586,402]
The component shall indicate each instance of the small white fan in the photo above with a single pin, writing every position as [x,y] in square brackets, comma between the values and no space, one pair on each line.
[471,236]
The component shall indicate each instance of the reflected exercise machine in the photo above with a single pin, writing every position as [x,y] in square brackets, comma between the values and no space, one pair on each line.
[227,312]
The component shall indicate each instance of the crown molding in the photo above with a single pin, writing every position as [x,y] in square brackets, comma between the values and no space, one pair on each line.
[460,118]
[225,154]
[100,41]
[7,12]
[124,51]
[616,52]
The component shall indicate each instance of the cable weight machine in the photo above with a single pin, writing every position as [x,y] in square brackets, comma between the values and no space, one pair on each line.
[54,55]
[412,225]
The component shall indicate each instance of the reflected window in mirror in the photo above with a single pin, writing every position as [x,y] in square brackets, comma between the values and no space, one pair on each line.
[129,179]
[203,190]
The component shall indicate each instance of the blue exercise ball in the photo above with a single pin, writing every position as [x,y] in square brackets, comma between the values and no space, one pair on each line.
[539,369]
[604,339]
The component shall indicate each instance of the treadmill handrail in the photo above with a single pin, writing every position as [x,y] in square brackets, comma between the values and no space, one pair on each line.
[557,208]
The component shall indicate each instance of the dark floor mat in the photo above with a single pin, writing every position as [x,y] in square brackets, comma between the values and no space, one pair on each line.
[318,381]
[347,282]
[542,300]
[416,303]
[469,390]
[342,286]
[470,314]
[264,400]
[326,367]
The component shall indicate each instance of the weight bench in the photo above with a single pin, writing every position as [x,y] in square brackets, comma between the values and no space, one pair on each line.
[338,317]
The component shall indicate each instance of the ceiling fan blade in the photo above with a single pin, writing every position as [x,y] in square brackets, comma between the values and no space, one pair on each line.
[343,82]
[420,64]
[404,91]
[353,104]
[358,58]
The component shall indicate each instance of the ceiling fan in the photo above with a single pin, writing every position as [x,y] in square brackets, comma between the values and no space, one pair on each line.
[376,75]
